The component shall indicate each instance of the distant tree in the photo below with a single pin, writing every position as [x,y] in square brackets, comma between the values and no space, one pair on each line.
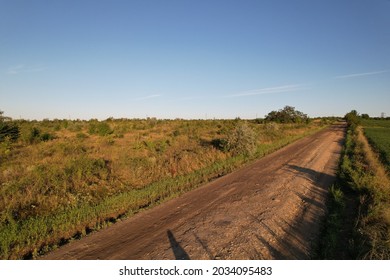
[354,112]
[365,116]
[8,129]
[287,115]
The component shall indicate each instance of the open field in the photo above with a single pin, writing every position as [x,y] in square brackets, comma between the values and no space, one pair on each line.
[378,134]
[64,179]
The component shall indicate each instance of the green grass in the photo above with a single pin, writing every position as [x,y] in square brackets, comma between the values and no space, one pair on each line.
[378,134]
[56,190]
[376,123]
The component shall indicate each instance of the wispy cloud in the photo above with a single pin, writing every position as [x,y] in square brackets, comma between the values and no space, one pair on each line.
[360,74]
[15,69]
[269,90]
[148,97]
[21,68]
[190,98]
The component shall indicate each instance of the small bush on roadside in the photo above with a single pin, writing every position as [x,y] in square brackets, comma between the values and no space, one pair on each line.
[352,118]
[242,140]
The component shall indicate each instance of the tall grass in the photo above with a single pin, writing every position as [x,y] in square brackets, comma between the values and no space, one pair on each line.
[60,189]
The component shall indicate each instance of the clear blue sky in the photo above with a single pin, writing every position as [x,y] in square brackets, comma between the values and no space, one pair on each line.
[193,59]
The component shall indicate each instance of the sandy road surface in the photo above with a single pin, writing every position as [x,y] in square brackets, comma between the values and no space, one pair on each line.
[269,209]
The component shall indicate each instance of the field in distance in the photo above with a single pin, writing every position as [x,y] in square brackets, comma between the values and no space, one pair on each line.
[378,134]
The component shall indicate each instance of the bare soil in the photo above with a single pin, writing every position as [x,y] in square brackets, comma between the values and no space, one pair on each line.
[270,209]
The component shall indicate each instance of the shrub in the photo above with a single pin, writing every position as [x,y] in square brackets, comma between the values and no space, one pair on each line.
[100,128]
[8,129]
[352,118]
[34,135]
[242,140]
[47,137]
[220,144]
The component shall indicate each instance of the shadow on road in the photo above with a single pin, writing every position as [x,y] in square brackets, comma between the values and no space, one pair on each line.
[204,246]
[314,176]
[178,251]
[300,237]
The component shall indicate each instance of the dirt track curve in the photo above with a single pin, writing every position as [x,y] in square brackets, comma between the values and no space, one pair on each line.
[269,209]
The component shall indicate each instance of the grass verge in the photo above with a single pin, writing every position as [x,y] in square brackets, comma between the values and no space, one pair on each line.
[358,221]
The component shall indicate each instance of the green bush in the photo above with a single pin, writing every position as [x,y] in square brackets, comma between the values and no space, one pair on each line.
[220,144]
[352,118]
[36,136]
[100,128]
[242,140]
[47,137]
[8,130]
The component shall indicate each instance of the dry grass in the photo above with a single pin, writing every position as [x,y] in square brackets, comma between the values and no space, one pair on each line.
[87,173]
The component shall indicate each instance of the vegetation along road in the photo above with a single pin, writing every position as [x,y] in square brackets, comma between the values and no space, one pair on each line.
[270,209]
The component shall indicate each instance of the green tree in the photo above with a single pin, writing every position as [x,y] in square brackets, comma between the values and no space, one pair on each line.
[287,115]
[8,129]
[352,118]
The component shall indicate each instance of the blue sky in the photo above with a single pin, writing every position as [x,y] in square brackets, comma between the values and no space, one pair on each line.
[193,59]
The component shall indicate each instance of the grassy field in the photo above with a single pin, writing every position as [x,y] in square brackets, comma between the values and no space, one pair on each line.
[358,223]
[63,179]
[378,134]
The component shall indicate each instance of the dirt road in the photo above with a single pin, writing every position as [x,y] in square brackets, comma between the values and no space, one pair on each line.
[269,209]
